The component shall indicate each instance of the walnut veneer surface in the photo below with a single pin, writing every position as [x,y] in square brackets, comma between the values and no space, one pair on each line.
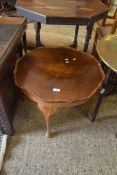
[57,78]
[63,12]
[63,8]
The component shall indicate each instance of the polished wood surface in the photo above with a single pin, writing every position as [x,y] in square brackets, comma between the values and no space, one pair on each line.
[64,8]
[12,20]
[64,69]
[57,78]
[63,12]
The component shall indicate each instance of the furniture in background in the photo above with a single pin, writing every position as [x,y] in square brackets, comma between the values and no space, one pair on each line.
[107,51]
[112,4]
[101,32]
[7,6]
[11,32]
[104,1]
[57,78]
[63,12]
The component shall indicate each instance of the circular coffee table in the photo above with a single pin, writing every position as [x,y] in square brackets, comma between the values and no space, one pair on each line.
[58,78]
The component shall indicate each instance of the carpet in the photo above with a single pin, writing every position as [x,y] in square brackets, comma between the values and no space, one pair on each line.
[58,35]
[78,147]
[3,141]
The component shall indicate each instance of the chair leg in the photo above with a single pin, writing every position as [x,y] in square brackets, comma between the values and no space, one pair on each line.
[75,43]
[103,22]
[20,50]
[24,43]
[97,106]
[94,44]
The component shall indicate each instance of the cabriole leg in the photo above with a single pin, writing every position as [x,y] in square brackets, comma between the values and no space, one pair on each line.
[47,112]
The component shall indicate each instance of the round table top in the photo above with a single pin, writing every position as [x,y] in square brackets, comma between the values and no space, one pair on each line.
[107,50]
[58,74]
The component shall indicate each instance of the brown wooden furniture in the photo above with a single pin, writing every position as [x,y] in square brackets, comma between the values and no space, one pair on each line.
[112,12]
[63,12]
[58,78]
[101,32]
[105,1]
[107,51]
[11,32]
[7,6]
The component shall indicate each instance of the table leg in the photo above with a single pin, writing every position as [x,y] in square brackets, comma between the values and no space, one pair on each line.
[47,111]
[101,95]
[104,21]
[20,50]
[24,43]
[94,44]
[88,36]
[37,26]
[74,45]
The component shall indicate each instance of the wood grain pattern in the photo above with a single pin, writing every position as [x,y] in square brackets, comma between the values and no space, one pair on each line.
[13,20]
[57,78]
[64,8]
[63,12]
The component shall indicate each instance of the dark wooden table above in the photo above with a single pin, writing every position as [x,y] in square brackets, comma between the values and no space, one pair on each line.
[63,12]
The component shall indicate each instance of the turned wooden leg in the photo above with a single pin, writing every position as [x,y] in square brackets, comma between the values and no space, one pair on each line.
[37,26]
[94,52]
[88,36]
[47,111]
[103,21]
[75,44]
[24,43]
[101,95]
[92,106]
